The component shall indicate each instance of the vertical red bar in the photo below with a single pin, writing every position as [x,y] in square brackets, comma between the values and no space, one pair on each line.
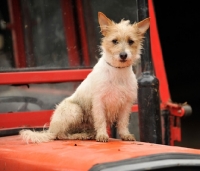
[157,56]
[175,128]
[70,32]
[17,33]
[82,29]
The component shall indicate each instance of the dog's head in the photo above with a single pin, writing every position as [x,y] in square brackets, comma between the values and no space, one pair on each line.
[122,42]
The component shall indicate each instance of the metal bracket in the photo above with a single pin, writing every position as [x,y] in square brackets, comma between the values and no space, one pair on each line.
[176,112]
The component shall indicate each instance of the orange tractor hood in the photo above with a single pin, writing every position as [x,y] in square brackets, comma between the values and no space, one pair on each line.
[75,155]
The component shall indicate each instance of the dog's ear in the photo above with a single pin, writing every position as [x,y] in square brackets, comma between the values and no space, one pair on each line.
[143,25]
[104,22]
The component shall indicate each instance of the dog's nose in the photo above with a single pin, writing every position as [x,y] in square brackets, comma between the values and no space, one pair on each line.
[123,55]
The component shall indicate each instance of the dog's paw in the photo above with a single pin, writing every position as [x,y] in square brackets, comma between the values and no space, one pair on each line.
[128,137]
[102,138]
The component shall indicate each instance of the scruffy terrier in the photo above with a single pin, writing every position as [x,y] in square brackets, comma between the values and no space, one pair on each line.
[108,92]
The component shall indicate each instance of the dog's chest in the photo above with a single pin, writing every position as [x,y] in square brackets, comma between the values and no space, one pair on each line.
[115,96]
[117,92]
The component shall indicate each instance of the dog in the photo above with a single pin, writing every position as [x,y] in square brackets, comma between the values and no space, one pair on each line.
[106,95]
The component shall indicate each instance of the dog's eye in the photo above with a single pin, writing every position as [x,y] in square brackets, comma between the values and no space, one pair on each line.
[115,41]
[130,42]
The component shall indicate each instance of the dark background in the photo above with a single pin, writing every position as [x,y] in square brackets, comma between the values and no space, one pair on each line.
[179,29]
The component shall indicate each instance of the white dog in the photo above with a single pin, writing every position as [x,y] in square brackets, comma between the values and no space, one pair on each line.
[108,92]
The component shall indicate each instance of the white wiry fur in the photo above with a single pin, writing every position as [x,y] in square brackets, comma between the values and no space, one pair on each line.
[105,96]
[43,136]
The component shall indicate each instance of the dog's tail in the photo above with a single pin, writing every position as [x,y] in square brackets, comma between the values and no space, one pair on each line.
[37,137]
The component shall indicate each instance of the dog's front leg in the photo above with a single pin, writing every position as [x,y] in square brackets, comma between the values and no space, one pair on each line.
[100,124]
[122,124]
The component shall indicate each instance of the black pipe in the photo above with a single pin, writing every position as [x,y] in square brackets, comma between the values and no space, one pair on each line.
[148,89]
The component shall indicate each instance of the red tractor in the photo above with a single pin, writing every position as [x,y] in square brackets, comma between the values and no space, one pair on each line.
[46,49]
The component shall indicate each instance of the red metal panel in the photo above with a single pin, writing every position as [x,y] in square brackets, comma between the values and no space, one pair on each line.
[70,32]
[134,108]
[82,29]
[25,119]
[17,33]
[157,56]
[33,118]
[43,76]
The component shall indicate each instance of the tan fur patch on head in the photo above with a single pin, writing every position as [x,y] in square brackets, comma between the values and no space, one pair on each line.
[122,37]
